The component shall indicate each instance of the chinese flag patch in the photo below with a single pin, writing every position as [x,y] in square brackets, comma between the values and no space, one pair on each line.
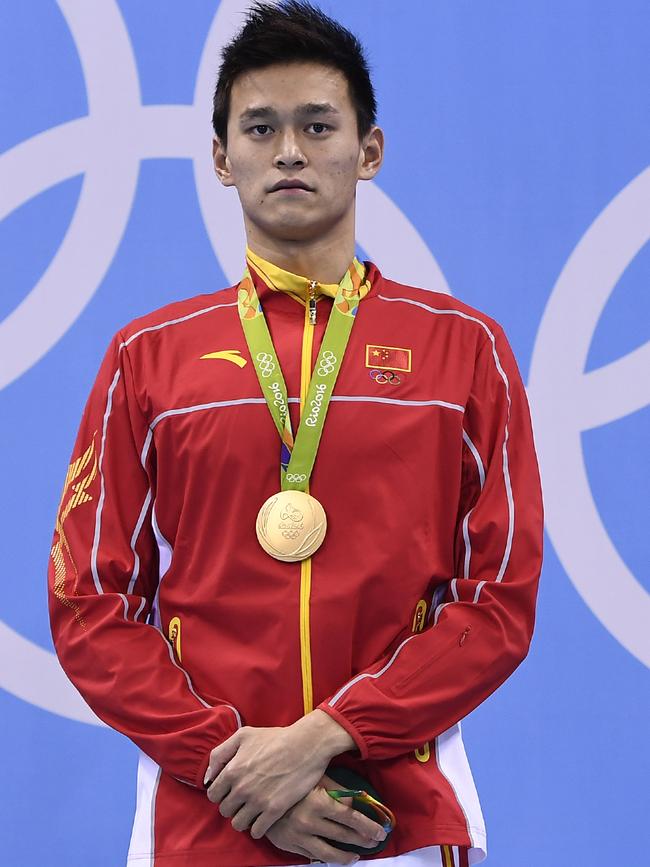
[388,357]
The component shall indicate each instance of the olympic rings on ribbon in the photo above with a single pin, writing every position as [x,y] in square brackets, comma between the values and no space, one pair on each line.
[327,363]
[267,365]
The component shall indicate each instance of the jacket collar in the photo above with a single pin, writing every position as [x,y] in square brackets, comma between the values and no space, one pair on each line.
[270,278]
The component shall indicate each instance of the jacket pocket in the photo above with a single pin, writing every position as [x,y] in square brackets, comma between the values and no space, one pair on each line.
[456,640]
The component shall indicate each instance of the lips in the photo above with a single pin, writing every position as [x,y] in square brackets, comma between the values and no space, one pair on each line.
[290,185]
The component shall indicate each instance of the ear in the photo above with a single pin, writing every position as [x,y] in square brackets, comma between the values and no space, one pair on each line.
[222,166]
[371,154]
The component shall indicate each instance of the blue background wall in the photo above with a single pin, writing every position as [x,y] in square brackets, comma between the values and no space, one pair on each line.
[517,178]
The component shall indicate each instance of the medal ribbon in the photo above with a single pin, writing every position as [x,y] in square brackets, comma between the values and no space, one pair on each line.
[297,457]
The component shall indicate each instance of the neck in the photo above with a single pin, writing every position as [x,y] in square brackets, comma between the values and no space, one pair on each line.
[324,259]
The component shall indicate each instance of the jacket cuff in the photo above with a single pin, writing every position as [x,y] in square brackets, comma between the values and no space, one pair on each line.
[200,774]
[214,741]
[338,717]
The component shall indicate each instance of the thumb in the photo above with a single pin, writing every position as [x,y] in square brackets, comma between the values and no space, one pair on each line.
[220,756]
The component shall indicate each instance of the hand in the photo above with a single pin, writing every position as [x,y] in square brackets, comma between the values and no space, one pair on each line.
[259,773]
[318,815]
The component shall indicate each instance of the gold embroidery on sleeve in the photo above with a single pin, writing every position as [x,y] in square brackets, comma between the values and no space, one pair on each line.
[80,495]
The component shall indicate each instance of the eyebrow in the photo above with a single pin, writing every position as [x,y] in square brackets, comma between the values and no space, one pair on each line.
[308,109]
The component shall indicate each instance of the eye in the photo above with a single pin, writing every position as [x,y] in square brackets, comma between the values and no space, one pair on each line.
[318,123]
[258,127]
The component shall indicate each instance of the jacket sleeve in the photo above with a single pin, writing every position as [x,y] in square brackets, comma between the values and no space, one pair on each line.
[102,580]
[480,623]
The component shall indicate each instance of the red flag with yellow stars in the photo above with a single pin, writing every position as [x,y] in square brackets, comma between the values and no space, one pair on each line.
[388,357]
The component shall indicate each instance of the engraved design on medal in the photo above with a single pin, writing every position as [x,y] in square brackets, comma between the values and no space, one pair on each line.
[291,525]
[291,522]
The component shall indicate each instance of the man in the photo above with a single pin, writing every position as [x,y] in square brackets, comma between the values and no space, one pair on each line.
[283,554]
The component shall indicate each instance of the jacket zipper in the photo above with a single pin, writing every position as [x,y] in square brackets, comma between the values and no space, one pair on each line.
[423,753]
[312,302]
[175,636]
[305,565]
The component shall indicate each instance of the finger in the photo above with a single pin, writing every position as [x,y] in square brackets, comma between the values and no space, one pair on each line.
[355,820]
[299,851]
[343,834]
[243,818]
[221,755]
[218,790]
[328,783]
[231,804]
[264,821]
[318,848]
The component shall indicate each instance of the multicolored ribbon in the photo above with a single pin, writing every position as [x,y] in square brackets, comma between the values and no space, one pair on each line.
[388,817]
[297,457]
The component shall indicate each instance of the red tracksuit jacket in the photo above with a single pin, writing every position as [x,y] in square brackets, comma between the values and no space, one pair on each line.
[177,628]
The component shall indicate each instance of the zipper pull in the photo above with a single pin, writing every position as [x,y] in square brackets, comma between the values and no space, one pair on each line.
[312,302]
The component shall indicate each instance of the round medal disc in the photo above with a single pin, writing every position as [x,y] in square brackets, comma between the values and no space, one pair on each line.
[291,525]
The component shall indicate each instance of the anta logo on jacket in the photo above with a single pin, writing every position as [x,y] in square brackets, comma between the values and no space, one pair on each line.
[419,603]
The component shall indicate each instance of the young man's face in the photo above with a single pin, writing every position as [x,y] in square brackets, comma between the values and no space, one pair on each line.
[295,122]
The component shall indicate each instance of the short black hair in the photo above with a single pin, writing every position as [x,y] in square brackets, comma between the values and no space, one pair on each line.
[293,31]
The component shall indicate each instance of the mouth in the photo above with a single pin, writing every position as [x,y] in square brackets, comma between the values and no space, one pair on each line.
[290,187]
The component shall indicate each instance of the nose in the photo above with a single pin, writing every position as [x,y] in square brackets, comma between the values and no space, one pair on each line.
[289,152]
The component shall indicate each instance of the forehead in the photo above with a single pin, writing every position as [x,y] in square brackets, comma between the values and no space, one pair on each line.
[284,86]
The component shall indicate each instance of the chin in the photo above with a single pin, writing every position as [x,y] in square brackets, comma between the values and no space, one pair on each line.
[294,229]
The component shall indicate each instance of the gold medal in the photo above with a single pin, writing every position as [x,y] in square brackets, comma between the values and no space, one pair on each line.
[291,525]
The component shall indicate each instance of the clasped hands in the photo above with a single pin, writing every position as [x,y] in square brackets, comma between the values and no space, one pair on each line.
[272,781]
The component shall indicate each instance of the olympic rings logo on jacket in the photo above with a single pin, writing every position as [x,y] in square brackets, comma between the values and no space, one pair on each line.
[384,376]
